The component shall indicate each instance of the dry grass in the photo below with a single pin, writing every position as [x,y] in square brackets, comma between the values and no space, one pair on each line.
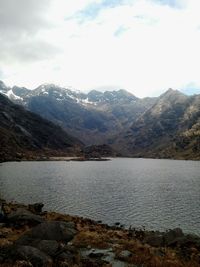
[93,235]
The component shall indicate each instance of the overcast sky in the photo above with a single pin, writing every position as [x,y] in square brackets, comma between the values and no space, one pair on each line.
[144,46]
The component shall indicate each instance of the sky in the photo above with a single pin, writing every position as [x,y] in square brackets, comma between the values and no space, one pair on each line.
[143,46]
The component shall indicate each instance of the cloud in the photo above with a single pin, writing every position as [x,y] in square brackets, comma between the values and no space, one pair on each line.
[1,75]
[22,16]
[171,3]
[120,31]
[20,24]
[27,51]
[93,9]
[145,46]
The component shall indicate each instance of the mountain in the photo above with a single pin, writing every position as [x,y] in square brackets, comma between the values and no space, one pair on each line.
[23,133]
[164,127]
[94,118]
[169,129]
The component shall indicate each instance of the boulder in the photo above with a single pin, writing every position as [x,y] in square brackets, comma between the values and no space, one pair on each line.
[36,207]
[49,247]
[155,239]
[2,213]
[22,216]
[66,256]
[186,241]
[53,230]
[124,254]
[171,235]
[33,255]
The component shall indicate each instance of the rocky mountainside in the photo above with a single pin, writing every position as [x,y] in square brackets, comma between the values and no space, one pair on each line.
[163,127]
[169,129]
[94,117]
[23,132]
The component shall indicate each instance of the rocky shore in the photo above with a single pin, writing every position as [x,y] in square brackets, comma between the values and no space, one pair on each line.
[32,237]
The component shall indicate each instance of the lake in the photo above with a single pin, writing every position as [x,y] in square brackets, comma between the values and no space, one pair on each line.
[157,194]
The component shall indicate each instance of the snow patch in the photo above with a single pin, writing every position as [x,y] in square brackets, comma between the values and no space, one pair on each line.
[11,95]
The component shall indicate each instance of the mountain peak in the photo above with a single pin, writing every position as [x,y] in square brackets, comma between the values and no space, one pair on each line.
[171,91]
[172,95]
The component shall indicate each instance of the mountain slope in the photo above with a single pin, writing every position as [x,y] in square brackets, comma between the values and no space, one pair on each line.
[169,129]
[22,131]
[94,118]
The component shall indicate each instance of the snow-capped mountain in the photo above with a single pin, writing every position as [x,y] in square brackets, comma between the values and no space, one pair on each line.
[93,117]
[166,126]
[94,97]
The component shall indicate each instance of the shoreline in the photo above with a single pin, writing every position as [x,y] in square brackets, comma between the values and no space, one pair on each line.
[57,159]
[91,243]
[82,159]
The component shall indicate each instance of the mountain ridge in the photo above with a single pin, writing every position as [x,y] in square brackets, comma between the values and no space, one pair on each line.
[25,134]
[169,129]
[92,117]
[167,126]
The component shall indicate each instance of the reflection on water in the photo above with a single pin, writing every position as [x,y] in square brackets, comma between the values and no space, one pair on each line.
[158,194]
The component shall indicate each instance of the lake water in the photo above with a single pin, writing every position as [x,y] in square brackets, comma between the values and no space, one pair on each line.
[159,194]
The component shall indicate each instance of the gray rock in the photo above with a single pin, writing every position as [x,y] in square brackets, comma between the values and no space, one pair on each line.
[53,230]
[171,235]
[36,207]
[2,225]
[49,247]
[186,241]
[34,255]
[2,213]
[24,216]
[24,264]
[25,240]
[124,254]
[1,259]
[155,240]
[100,257]
[66,256]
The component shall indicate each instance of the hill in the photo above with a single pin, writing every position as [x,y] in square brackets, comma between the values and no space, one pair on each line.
[25,133]
[169,129]
[94,118]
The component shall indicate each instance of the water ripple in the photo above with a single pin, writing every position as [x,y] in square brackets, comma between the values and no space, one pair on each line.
[158,194]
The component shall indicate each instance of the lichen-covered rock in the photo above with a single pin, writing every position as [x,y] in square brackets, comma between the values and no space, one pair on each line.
[49,247]
[53,230]
[22,216]
[171,235]
[36,207]
[34,255]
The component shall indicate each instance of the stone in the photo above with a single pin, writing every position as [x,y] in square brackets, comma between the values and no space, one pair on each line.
[49,247]
[124,254]
[36,207]
[2,213]
[171,235]
[23,264]
[1,259]
[53,230]
[155,240]
[66,256]
[33,255]
[23,216]
[96,255]
[186,241]
[25,240]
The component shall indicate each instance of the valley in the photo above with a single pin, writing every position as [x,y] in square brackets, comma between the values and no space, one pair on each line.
[167,126]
